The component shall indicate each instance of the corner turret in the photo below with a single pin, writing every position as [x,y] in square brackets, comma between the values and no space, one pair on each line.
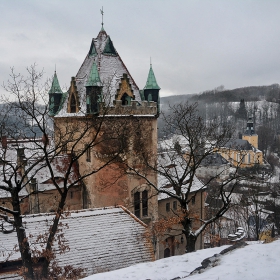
[55,96]
[151,89]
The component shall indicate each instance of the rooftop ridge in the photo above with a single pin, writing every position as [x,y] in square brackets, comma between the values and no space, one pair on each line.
[132,216]
[31,216]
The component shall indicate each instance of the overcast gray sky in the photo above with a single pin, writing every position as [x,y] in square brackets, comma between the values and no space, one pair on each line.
[195,45]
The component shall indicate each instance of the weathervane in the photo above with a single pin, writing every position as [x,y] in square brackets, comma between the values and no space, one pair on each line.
[102,13]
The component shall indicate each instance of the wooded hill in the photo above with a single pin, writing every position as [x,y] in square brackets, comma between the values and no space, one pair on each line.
[262,103]
[255,93]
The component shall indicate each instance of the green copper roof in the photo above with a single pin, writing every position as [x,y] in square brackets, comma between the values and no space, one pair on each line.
[151,81]
[93,79]
[92,50]
[109,48]
[55,88]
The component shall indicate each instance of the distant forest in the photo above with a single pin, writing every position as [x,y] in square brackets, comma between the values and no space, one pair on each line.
[256,93]
[262,103]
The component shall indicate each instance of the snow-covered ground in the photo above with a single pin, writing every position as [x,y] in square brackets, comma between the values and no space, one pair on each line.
[253,262]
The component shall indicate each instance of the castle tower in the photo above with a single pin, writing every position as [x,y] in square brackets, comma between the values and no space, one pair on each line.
[103,89]
[250,134]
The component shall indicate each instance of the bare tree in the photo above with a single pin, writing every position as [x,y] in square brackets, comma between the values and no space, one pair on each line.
[29,99]
[179,160]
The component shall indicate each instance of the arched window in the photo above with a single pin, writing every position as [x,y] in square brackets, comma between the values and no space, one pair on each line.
[166,253]
[126,100]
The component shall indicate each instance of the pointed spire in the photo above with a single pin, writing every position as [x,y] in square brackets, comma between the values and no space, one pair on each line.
[102,13]
[151,81]
[55,88]
[109,48]
[93,79]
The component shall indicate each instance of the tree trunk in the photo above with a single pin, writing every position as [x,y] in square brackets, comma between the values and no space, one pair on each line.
[53,229]
[190,237]
[24,247]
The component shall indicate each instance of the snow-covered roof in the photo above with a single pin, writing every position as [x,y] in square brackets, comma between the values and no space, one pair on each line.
[110,69]
[99,239]
[238,144]
[174,168]
[169,143]
[214,159]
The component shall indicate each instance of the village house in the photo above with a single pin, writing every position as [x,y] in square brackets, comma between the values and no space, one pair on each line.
[173,242]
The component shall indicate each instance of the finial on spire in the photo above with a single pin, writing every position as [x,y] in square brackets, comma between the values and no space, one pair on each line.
[55,68]
[102,13]
[150,61]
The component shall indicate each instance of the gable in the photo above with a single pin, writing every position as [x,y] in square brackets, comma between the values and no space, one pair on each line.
[124,88]
[73,100]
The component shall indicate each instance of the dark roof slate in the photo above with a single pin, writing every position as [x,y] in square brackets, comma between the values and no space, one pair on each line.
[238,144]
[214,159]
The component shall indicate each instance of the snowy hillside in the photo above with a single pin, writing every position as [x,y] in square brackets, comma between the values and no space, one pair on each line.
[252,262]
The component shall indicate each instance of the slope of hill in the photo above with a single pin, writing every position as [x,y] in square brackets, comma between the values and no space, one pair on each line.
[253,93]
[252,262]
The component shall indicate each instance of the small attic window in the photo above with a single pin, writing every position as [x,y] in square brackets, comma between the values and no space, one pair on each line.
[73,104]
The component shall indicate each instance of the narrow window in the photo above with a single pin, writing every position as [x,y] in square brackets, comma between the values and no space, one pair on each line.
[175,205]
[88,153]
[167,207]
[145,203]
[137,204]
[73,104]
[71,195]
[193,200]
[249,158]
